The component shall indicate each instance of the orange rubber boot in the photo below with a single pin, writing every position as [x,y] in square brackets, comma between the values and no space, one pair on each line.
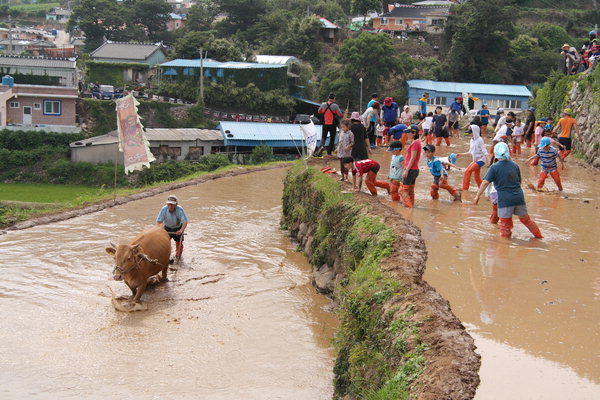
[435,191]
[394,187]
[556,176]
[532,226]
[542,179]
[405,195]
[494,216]
[506,226]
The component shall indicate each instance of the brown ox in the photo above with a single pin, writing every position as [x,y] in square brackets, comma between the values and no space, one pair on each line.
[146,255]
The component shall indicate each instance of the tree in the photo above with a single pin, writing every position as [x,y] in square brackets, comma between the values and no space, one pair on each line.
[242,14]
[479,32]
[369,56]
[301,39]
[201,15]
[362,7]
[530,62]
[218,49]
[153,15]
[98,19]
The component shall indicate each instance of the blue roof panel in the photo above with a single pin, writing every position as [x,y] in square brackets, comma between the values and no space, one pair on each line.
[473,88]
[257,133]
[180,62]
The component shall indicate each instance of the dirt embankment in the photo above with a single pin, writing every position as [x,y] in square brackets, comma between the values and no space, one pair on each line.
[451,364]
[77,212]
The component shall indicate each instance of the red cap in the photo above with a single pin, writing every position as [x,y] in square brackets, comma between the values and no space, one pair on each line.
[387,101]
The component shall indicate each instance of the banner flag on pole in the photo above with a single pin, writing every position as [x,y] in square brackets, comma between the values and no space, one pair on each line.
[310,137]
[132,141]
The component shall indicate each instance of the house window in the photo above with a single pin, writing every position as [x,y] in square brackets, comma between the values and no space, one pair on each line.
[436,101]
[52,107]
[195,153]
[14,104]
[37,106]
[384,21]
[437,22]
[398,21]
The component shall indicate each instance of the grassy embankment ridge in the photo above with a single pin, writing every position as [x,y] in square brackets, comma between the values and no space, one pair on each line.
[378,355]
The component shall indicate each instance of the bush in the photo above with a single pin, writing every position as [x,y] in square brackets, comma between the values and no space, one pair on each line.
[82,173]
[261,154]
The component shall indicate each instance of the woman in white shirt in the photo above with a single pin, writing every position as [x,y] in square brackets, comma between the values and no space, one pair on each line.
[478,153]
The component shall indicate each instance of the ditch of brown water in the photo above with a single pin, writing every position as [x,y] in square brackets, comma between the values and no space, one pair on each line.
[533,306]
[238,319]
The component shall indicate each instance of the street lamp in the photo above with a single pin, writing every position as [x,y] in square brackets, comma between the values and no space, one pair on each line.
[360,100]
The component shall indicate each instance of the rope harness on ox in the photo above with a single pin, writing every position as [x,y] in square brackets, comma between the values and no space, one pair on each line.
[138,258]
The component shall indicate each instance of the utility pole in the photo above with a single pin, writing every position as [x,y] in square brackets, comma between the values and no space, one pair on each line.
[202,74]
[10,44]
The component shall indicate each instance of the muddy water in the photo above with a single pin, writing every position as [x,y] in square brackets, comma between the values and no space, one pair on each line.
[238,319]
[532,305]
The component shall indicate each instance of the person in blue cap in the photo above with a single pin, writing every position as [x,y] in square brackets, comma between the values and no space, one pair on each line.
[547,158]
[396,169]
[440,176]
[506,177]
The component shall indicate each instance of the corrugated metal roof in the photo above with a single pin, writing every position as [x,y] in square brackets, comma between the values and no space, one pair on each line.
[473,88]
[158,135]
[255,133]
[37,62]
[409,11]
[327,24]
[183,134]
[180,62]
[128,51]
[279,60]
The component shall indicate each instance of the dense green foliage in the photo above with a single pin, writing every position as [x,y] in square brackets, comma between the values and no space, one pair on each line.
[551,99]
[379,353]
[126,20]
[247,99]
[106,73]
[261,154]
[103,118]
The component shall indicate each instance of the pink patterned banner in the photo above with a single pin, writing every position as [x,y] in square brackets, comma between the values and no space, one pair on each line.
[132,141]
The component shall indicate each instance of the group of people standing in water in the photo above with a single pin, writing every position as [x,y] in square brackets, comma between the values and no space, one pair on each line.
[502,181]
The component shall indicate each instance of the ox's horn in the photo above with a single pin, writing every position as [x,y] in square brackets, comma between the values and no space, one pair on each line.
[112,245]
[135,246]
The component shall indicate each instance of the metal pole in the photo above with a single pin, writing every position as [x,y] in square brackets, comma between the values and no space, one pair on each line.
[202,74]
[361,95]
[10,44]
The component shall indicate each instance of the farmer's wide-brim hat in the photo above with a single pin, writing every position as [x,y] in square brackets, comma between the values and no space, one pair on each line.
[171,199]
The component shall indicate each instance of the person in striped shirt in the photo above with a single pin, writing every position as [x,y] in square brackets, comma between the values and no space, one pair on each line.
[548,156]
[362,167]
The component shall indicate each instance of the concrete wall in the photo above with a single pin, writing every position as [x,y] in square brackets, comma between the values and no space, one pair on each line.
[104,153]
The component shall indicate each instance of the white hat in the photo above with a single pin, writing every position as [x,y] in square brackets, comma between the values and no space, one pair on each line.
[500,110]
[171,199]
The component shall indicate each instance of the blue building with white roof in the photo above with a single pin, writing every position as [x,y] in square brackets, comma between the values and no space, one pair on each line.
[509,97]
[264,76]
[283,138]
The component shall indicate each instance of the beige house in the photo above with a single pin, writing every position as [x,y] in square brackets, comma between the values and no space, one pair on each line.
[166,144]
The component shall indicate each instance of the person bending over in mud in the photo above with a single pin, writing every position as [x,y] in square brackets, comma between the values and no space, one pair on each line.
[174,220]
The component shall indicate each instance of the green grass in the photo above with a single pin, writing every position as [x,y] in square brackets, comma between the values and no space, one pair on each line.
[34,8]
[45,193]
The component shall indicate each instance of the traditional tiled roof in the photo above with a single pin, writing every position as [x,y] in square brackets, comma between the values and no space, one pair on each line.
[126,51]
[43,62]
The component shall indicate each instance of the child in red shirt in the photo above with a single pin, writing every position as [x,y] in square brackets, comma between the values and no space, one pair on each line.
[369,167]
